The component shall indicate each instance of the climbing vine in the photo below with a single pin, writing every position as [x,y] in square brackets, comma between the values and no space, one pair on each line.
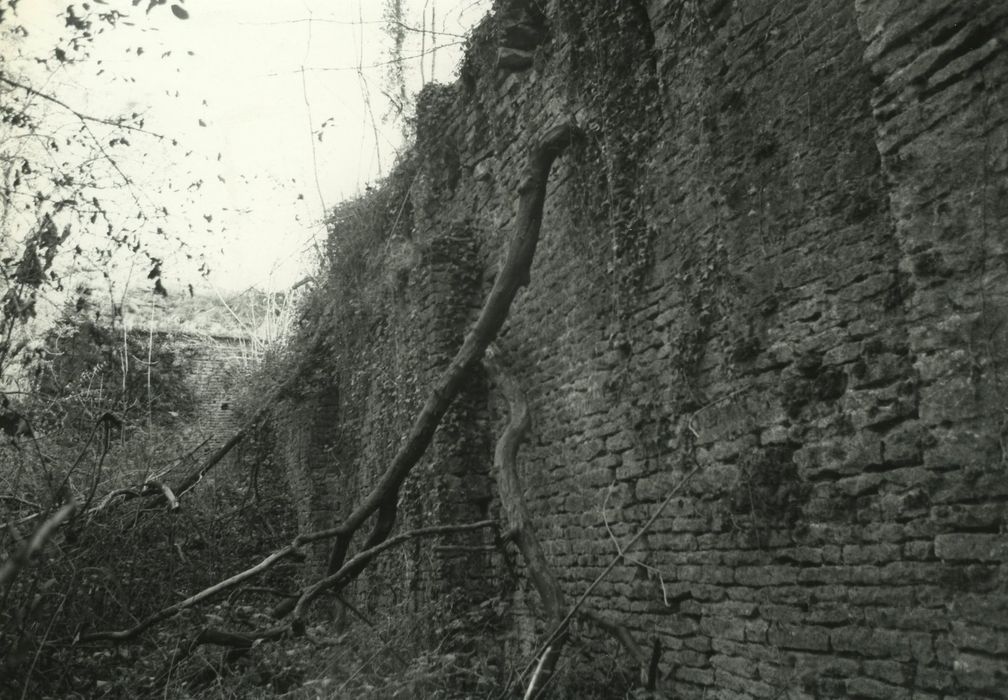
[612,69]
[368,256]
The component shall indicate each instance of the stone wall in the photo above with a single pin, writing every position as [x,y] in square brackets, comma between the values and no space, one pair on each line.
[780,259]
[214,367]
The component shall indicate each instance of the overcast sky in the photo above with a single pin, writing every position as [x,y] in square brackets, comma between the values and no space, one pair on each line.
[246,87]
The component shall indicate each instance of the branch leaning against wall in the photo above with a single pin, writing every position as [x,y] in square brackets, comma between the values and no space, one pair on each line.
[514,275]
[521,531]
[383,499]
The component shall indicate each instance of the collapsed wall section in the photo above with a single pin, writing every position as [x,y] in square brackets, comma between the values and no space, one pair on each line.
[778,259]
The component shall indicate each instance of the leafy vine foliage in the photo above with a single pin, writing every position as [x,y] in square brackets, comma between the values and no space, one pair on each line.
[613,69]
[368,256]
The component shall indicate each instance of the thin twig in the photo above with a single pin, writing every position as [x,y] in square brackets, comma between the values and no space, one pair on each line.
[80,115]
[562,625]
[622,552]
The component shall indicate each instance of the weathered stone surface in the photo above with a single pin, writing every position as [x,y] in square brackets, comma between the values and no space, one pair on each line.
[969,546]
[805,300]
[514,59]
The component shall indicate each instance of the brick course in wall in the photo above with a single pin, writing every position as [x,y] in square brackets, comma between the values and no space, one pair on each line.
[214,366]
[820,327]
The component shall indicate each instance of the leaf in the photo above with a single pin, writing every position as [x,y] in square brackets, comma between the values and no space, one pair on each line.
[159,288]
[155,272]
[179,12]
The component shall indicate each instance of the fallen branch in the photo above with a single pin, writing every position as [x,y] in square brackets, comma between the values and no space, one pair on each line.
[197,476]
[346,573]
[166,491]
[18,499]
[127,494]
[172,610]
[535,685]
[519,522]
[305,598]
[333,584]
[164,494]
[237,641]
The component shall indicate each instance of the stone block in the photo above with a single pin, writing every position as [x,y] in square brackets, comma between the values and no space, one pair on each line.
[971,547]
[799,637]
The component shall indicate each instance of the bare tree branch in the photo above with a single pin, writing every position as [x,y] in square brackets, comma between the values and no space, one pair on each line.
[519,522]
[350,569]
[359,561]
[514,275]
[80,115]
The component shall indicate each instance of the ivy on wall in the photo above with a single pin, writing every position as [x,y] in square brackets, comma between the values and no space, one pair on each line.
[612,70]
[369,253]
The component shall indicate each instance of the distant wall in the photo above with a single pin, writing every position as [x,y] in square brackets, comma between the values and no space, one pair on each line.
[781,259]
[214,368]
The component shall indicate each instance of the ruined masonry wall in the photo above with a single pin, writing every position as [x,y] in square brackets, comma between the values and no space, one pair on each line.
[215,366]
[816,320]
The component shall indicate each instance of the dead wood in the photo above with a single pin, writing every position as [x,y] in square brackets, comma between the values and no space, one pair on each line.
[560,629]
[197,476]
[348,572]
[513,275]
[509,485]
[383,499]
[343,576]
[521,530]
[519,523]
